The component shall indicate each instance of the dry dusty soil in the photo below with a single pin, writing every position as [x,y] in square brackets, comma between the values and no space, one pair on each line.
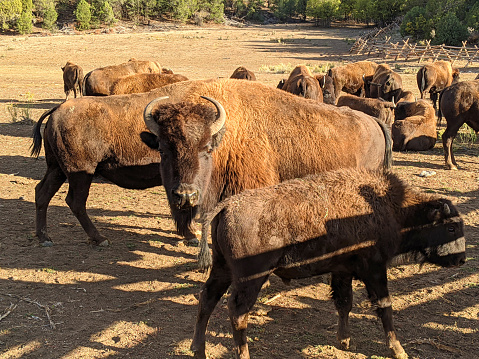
[138,297]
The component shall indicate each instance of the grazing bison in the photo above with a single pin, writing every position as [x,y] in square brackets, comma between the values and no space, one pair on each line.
[72,79]
[301,82]
[459,104]
[376,107]
[350,223]
[98,82]
[327,88]
[350,77]
[435,77]
[385,84]
[143,82]
[414,127]
[243,73]
[262,136]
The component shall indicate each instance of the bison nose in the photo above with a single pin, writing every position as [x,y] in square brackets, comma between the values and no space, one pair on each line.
[185,197]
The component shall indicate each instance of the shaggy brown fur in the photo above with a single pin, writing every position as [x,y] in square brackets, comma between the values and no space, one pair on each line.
[414,127]
[301,82]
[72,79]
[243,73]
[459,104]
[385,84]
[435,77]
[383,110]
[99,81]
[350,222]
[407,96]
[349,78]
[143,82]
[327,88]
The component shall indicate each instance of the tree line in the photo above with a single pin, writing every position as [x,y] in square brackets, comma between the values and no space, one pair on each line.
[441,21]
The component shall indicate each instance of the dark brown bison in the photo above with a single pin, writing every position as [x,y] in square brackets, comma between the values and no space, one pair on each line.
[435,77]
[262,136]
[350,77]
[376,107]
[72,79]
[243,73]
[459,104]
[143,82]
[385,83]
[98,82]
[414,127]
[301,82]
[350,223]
[327,88]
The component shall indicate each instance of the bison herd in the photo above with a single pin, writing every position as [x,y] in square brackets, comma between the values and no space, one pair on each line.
[294,180]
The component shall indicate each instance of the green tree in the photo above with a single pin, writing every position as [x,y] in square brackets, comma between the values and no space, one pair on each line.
[83,15]
[25,22]
[184,9]
[417,24]
[450,31]
[323,11]
[363,11]
[9,11]
[50,16]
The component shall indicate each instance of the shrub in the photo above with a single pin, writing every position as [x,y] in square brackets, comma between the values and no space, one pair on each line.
[25,22]
[417,24]
[83,15]
[323,10]
[450,31]
[9,11]
[50,16]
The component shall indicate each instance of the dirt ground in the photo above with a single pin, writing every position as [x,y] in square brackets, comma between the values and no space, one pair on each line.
[138,297]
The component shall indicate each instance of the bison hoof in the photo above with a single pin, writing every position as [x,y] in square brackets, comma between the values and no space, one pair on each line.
[46,244]
[397,352]
[104,243]
[451,167]
[193,242]
[344,343]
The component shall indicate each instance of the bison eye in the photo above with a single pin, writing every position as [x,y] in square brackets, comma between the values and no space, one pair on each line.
[451,229]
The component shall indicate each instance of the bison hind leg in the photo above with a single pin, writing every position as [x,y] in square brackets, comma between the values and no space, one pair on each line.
[342,293]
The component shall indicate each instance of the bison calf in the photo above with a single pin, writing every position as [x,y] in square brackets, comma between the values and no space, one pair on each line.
[72,79]
[382,110]
[242,73]
[143,82]
[414,127]
[351,223]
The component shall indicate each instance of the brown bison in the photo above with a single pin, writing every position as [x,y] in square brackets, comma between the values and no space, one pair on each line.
[301,82]
[98,82]
[143,82]
[406,96]
[459,104]
[376,107]
[385,83]
[243,73]
[327,88]
[414,127]
[350,77]
[262,136]
[351,223]
[435,77]
[72,79]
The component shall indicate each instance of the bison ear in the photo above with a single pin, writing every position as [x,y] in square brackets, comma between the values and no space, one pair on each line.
[150,140]
[216,139]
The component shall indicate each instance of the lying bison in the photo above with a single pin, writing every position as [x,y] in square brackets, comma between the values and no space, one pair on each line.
[242,73]
[143,82]
[350,223]
[72,79]
[260,136]
[376,107]
[301,82]
[98,82]
[435,77]
[350,77]
[414,127]
[459,104]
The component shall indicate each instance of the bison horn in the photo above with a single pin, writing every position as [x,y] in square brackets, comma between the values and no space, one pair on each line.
[148,118]
[220,116]
[447,210]
[394,105]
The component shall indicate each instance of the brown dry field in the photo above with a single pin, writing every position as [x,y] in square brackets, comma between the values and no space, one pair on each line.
[138,297]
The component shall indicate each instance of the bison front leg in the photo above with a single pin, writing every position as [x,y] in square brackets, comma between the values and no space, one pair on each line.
[376,285]
[447,139]
[342,291]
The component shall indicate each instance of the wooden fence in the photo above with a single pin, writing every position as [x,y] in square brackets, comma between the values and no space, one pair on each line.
[372,46]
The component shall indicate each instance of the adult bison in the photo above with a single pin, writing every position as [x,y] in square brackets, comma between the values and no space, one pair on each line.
[435,77]
[350,223]
[327,88]
[459,104]
[262,136]
[301,82]
[376,107]
[385,83]
[143,82]
[242,73]
[414,127]
[350,77]
[98,82]
[72,79]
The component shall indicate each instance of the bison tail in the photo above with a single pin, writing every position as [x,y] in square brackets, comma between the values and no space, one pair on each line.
[388,153]
[37,137]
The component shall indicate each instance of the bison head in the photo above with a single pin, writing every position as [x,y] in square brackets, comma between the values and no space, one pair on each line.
[186,134]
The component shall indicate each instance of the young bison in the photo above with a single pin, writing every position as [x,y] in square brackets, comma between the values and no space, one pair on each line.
[72,79]
[351,223]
